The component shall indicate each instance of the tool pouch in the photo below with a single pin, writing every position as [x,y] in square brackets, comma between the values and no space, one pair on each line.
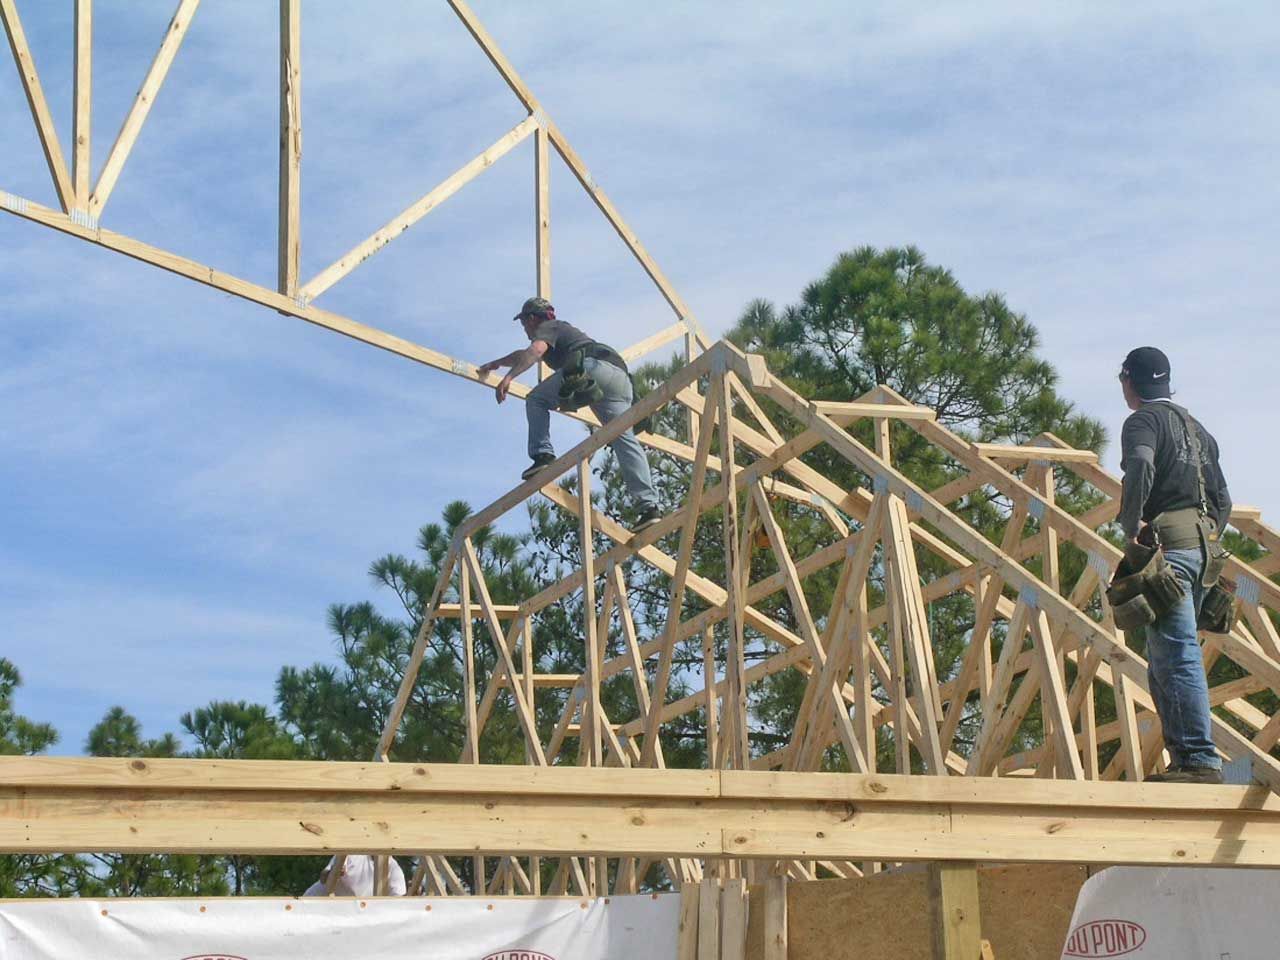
[1133,613]
[577,388]
[1215,554]
[1218,609]
[1142,597]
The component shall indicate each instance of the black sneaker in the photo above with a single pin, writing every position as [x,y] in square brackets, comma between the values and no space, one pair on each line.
[540,461]
[648,517]
[1187,775]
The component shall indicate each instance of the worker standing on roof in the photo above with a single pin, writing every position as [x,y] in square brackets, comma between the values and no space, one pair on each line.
[587,374]
[1173,508]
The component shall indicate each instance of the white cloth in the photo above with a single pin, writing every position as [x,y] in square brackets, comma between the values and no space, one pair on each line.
[1177,913]
[394,928]
[357,878]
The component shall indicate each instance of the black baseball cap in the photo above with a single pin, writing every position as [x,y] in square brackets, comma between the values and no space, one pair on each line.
[1147,368]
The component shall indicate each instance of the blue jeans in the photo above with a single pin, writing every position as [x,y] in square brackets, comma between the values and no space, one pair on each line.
[1176,670]
[617,400]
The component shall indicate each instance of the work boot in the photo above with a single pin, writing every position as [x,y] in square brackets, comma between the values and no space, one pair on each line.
[1181,774]
[648,517]
[540,461]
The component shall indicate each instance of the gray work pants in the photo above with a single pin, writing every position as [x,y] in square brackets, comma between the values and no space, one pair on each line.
[617,400]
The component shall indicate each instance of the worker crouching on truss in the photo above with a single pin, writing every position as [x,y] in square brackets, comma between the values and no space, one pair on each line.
[1173,508]
[587,374]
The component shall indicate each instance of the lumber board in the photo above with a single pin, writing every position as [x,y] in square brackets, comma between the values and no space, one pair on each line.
[91,804]
[142,103]
[37,103]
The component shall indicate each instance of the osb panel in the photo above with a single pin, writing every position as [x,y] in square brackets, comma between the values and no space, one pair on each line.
[1026,909]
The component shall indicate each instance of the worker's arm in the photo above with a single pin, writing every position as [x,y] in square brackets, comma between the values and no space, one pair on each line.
[505,360]
[521,361]
[1138,453]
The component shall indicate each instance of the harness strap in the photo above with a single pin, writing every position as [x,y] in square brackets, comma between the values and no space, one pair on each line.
[1193,442]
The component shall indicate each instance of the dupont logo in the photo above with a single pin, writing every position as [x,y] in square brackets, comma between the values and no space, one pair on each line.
[518,954]
[1105,938]
[214,956]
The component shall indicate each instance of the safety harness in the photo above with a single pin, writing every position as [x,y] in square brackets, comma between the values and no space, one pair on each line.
[1145,587]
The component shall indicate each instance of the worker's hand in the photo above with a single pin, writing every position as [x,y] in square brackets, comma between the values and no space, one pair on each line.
[503,386]
[485,369]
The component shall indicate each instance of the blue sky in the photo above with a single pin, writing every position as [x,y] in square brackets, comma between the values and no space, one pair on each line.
[187,481]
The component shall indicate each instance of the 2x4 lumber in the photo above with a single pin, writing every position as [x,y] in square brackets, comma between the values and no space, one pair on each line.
[651,343]
[775,917]
[570,157]
[733,920]
[600,438]
[737,749]
[1029,452]
[957,925]
[82,104]
[39,107]
[542,210]
[471,741]
[753,407]
[909,604]
[799,609]
[290,213]
[179,806]
[691,510]
[416,655]
[1067,525]
[524,709]
[709,919]
[1054,697]
[358,254]
[142,104]
[226,283]
[591,714]
[844,640]
[846,412]
[632,654]
[687,930]
[1076,622]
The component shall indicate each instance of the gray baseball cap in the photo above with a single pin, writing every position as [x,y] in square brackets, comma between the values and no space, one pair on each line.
[535,306]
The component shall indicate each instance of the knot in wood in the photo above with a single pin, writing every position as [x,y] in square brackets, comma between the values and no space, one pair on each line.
[139,765]
[875,786]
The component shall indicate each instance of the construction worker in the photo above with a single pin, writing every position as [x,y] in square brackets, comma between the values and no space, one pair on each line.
[356,879]
[587,374]
[1174,501]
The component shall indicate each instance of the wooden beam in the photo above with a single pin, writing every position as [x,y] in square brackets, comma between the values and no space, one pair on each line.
[82,107]
[74,804]
[142,104]
[542,210]
[38,105]
[690,512]
[290,214]
[957,925]
[358,254]
[592,710]
[578,168]
[775,917]
[737,749]
[1025,453]
[844,413]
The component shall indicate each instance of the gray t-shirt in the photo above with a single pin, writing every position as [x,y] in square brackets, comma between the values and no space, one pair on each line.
[562,339]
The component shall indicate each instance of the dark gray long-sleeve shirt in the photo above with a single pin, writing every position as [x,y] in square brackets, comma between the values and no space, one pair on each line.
[1158,471]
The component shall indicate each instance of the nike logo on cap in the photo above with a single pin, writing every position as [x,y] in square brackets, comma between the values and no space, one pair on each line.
[1157,376]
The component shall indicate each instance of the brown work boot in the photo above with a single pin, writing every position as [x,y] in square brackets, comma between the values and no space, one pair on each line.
[1187,775]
